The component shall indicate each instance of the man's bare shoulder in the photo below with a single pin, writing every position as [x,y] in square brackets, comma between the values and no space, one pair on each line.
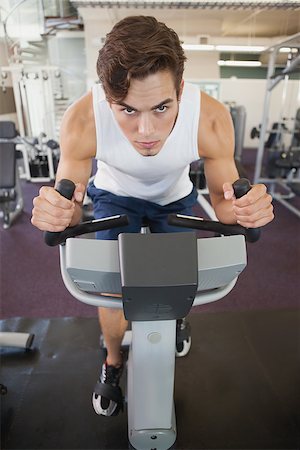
[212,109]
[216,134]
[78,128]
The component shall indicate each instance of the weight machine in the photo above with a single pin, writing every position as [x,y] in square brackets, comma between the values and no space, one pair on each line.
[284,154]
[11,199]
[40,158]
[36,89]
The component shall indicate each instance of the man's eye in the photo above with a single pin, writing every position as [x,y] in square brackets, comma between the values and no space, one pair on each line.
[129,111]
[162,108]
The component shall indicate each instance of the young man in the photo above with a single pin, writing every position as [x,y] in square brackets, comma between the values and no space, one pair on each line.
[145,126]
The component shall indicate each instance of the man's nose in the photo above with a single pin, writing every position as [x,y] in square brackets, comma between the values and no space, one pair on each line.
[145,125]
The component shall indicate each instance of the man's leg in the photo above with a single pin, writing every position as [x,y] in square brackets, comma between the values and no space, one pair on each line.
[107,396]
[113,325]
[112,322]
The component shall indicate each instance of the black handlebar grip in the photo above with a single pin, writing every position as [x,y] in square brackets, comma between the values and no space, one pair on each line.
[241,187]
[66,188]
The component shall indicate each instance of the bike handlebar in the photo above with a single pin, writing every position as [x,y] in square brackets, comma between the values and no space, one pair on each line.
[66,189]
[197,223]
[240,187]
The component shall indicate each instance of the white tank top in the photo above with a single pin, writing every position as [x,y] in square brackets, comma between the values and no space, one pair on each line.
[163,178]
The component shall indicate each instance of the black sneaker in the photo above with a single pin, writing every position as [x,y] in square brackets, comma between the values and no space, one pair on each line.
[107,396]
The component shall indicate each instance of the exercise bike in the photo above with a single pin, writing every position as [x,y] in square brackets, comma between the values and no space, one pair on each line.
[161,276]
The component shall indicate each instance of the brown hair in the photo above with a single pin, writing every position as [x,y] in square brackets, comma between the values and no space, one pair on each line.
[136,47]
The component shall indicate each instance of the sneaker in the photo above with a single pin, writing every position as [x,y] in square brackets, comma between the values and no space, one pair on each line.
[107,396]
[183,338]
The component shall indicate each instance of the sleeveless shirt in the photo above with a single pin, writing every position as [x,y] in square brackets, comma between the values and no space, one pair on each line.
[163,178]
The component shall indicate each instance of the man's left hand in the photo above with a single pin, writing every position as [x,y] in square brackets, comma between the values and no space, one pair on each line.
[254,209]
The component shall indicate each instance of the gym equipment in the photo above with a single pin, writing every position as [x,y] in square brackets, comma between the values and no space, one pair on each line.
[11,199]
[11,204]
[197,175]
[40,158]
[280,167]
[19,340]
[296,130]
[15,339]
[21,158]
[160,276]
[279,161]
[35,88]
[238,114]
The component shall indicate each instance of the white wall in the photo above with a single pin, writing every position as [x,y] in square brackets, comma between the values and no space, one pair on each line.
[202,64]
[251,94]
[10,118]
[93,31]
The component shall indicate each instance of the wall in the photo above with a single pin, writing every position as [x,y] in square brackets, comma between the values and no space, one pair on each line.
[7,101]
[202,64]
[7,104]
[66,50]
[94,32]
[251,94]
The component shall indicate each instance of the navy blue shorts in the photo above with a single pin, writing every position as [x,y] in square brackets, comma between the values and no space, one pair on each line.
[107,204]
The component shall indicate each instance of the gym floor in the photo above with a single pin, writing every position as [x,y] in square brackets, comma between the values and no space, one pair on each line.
[237,389]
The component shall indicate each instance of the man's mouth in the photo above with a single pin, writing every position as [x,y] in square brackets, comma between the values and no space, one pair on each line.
[147,144]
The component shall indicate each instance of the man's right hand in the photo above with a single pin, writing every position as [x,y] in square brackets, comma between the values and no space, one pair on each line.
[52,212]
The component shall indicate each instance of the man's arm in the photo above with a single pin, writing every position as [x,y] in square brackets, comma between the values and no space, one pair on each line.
[51,211]
[216,146]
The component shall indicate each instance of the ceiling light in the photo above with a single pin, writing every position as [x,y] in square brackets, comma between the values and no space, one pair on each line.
[231,63]
[241,48]
[288,50]
[225,48]
[199,47]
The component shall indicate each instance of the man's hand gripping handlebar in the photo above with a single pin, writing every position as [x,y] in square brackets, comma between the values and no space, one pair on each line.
[67,187]
[240,187]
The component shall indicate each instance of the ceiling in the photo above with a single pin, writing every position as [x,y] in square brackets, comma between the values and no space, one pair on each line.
[253,22]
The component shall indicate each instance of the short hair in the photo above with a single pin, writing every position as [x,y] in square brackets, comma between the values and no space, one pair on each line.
[136,47]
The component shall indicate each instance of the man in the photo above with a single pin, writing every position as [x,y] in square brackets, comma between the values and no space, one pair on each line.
[144,126]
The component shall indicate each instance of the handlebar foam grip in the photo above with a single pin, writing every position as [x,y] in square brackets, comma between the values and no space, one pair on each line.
[66,188]
[241,187]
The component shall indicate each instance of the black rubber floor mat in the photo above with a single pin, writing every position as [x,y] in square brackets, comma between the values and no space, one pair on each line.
[237,389]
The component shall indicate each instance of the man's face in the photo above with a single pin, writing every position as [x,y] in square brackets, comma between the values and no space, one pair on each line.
[148,113]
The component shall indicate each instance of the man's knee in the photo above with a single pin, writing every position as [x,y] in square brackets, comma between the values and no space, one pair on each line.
[112,317]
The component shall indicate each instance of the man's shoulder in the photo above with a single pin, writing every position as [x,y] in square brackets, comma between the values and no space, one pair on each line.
[78,124]
[80,113]
[215,134]
[211,108]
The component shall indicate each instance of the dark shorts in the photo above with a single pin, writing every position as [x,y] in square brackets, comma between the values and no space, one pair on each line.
[137,210]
